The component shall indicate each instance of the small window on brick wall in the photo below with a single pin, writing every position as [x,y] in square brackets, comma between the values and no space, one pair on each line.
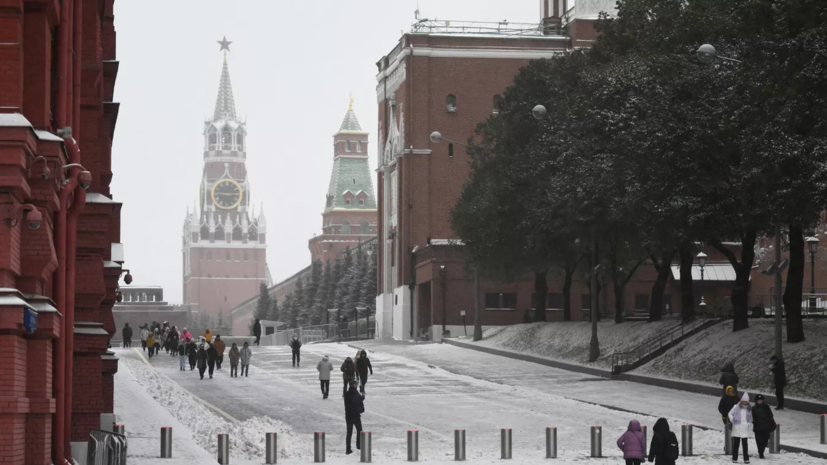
[509,300]
[492,300]
[641,301]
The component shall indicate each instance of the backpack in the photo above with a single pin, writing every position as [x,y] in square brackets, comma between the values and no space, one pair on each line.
[672,450]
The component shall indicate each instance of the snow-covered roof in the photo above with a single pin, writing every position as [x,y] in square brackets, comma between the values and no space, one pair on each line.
[14,120]
[13,301]
[95,197]
[46,135]
[712,272]
[350,123]
[224,103]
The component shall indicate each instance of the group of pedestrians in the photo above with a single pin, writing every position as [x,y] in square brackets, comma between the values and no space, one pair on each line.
[663,450]
[745,419]
[355,376]
[156,336]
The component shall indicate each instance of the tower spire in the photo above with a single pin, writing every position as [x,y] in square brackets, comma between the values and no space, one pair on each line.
[224,103]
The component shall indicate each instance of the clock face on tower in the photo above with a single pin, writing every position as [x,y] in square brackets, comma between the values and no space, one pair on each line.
[226,194]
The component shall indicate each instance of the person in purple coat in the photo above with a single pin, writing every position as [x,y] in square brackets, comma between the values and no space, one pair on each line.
[633,444]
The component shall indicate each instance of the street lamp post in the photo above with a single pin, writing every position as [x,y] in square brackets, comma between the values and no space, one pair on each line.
[356,318]
[812,246]
[702,263]
[443,274]
[373,270]
[539,112]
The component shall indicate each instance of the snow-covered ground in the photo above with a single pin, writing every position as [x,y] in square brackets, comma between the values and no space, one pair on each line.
[569,341]
[701,357]
[432,388]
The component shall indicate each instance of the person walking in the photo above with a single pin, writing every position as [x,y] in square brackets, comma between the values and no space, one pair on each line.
[245,356]
[186,335]
[727,402]
[763,424]
[362,367]
[144,335]
[150,342]
[664,447]
[127,335]
[741,418]
[296,345]
[633,444]
[208,335]
[212,357]
[182,355]
[192,353]
[257,332]
[234,355]
[325,368]
[354,408]
[779,379]
[202,360]
[173,341]
[157,343]
[728,377]
[165,338]
[220,346]
[348,373]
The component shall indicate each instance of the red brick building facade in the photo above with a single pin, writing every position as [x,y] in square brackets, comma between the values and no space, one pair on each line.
[224,240]
[60,256]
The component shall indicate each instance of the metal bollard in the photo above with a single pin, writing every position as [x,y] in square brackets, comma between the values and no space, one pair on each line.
[551,443]
[364,439]
[645,434]
[775,440]
[505,443]
[318,447]
[166,442]
[119,429]
[459,445]
[824,429]
[223,448]
[728,439]
[597,441]
[413,445]
[686,440]
[271,441]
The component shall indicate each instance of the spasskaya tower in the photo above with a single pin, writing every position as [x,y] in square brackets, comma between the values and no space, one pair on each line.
[224,240]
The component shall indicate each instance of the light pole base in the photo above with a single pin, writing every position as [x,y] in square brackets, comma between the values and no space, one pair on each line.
[594,351]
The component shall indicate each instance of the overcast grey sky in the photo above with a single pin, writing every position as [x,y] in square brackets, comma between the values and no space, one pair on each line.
[292,64]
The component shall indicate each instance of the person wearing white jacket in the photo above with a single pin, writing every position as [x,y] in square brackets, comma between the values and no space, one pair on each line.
[144,335]
[245,356]
[741,418]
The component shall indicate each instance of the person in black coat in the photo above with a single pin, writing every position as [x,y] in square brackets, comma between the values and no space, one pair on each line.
[728,378]
[127,335]
[362,367]
[202,361]
[212,356]
[257,332]
[663,450]
[192,353]
[779,378]
[354,408]
[296,345]
[763,424]
[728,401]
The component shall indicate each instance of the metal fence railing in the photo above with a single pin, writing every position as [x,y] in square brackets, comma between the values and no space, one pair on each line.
[365,328]
[106,448]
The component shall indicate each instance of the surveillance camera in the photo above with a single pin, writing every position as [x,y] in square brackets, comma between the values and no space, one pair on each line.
[128,278]
[34,218]
[45,173]
[119,298]
[539,112]
[436,137]
[85,179]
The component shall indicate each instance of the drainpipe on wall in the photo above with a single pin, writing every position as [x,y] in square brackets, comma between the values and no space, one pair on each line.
[71,253]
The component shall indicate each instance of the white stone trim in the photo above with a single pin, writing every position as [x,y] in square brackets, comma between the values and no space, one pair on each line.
[513,53]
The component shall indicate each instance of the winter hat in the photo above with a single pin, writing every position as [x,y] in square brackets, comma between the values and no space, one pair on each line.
[745,397]
[759,397]
[353,382]
[730,391]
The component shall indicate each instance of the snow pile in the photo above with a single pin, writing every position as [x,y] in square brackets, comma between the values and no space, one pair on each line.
[569,341]
[701,357]
[246,437]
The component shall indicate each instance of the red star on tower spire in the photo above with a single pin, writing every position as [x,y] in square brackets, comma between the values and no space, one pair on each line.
[225,44]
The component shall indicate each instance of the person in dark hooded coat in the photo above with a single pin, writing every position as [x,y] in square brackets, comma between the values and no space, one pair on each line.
[362,367]
[728,377]
[202,360]
[212,357]
[192,353]
[779,379]
[664,448]
[763,424]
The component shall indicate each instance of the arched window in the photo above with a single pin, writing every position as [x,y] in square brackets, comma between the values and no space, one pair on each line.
[364,227]
[205,233]
[345,227]
[450,150]
[347,146]
[239,139]
[219,233]
[237,233]
[226,137]
[451,103]
[359,146]
[498,99]
[212,137]
[252,233]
